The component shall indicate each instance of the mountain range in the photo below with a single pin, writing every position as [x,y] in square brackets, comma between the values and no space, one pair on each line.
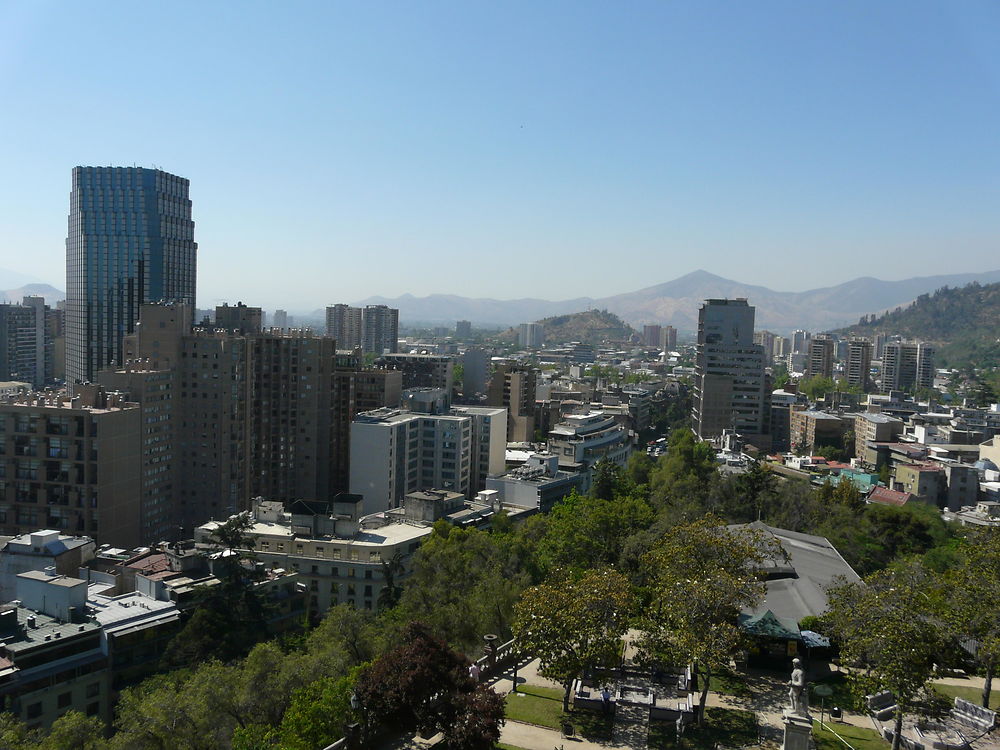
[676,302]
[51,294]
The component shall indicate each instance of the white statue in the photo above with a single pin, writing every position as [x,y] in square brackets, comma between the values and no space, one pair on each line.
[798,697]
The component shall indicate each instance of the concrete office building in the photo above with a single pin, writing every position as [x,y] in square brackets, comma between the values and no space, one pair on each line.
[907,365]
[731,389]
[379,329]
[239,318]
[73,465]
[343,323]
[819,361]
[859,362]
[131,241]
[463,329]
[513,388]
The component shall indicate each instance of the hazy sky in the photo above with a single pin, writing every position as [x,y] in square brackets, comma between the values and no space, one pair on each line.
[339,150]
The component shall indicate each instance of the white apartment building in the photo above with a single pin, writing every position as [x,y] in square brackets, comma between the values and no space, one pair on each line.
[394,453]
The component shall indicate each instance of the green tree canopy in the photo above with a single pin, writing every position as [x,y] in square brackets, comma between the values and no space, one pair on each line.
[574,623]
[702,574]
[885,625]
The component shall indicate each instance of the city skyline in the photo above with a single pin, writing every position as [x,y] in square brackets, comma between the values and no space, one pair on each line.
[488,138]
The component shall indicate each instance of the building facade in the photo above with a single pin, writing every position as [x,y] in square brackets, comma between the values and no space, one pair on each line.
[907,365]
[819,361]
[731,389]
[73,465]
[130,241]
[379,329]
[859,363]
[343,323]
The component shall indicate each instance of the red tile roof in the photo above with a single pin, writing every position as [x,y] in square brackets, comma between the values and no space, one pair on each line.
[885,496]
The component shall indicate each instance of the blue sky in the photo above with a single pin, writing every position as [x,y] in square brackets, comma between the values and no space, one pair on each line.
[557,149]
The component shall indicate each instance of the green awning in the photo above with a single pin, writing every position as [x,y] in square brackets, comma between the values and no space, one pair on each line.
[768,625]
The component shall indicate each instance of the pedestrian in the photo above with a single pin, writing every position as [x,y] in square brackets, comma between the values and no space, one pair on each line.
[474,672]
[606,700]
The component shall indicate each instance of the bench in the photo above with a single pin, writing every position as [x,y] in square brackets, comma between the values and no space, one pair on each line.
[977,717]
[881,705]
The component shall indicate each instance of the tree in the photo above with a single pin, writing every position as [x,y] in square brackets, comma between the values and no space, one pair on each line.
[584,531]
[885,626]
[318,713]
[574,623]
[816,387]
[228,619]
[74,731]
[463,585]
[757,484]
[972,607]
[701,575]
[423,684]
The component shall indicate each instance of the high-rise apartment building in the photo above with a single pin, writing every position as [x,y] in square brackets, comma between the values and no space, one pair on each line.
[819,360]
[530,335]
[907,365]
[26,342]
[859,362]
[730,389]
[475,372]
[766,339]
[651,335]
[799,339]
[130,241]
[513,387]
[281,319]
[668,338]
[463,329]
[379,329]
[74,465]
[343,323]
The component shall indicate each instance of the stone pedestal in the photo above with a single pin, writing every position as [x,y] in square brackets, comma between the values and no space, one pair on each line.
[798,732]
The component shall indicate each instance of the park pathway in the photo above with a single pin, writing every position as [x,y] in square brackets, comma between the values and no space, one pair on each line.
[631,727]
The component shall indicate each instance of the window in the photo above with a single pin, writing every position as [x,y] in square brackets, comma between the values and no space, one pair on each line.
[64,700]
[34,710]
[93,690]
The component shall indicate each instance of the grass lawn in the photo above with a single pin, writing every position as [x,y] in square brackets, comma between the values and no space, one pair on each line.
[727,683]
[543,706]
[723,726]
[973,694]
[843,694]
[859,737]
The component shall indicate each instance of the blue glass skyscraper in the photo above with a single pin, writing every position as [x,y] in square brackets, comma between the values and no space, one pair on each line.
[130,241]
